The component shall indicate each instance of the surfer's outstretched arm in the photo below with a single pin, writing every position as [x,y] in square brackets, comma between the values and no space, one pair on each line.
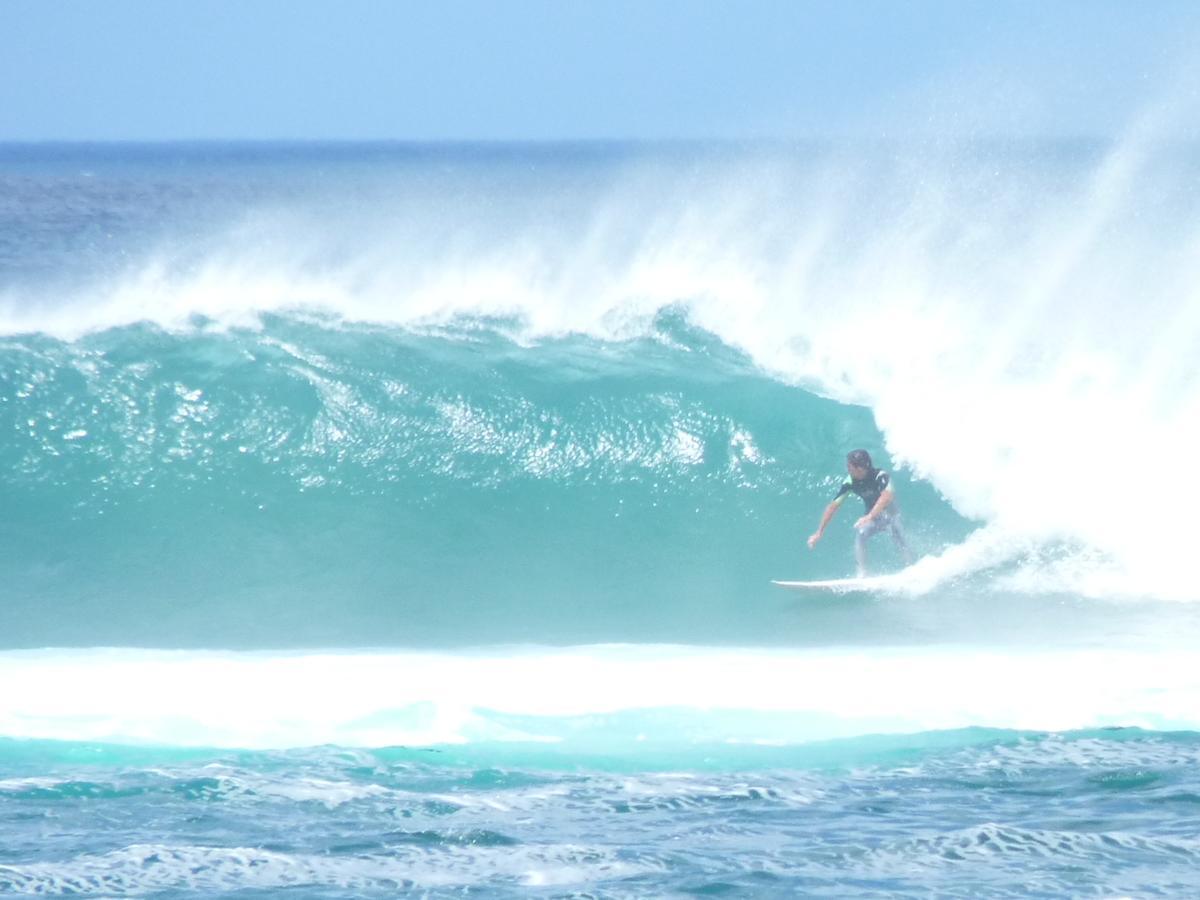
[825,519]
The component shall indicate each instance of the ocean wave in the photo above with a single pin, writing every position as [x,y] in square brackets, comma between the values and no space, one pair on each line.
[660,355]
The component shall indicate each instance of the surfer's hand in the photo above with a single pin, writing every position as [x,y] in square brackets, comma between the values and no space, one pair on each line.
[812,541]
[863,522]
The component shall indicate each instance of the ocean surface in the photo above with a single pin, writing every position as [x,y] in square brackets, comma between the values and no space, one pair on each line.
[391,518]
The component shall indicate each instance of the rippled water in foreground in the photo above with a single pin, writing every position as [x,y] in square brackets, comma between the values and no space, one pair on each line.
[983,814]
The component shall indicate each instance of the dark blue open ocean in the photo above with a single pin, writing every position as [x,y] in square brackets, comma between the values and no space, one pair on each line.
[401,518]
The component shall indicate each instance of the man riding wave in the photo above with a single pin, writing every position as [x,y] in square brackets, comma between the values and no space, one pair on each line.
[874,486]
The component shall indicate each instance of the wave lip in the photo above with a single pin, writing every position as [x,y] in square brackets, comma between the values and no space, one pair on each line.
[621,698]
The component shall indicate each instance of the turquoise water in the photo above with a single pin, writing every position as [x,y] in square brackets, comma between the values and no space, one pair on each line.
[1076,814]
[343,476]
[402,517]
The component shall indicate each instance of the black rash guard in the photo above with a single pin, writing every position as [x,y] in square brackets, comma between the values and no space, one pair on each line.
[870,488]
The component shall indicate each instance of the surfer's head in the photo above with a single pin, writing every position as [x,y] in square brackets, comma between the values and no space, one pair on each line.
[858,462]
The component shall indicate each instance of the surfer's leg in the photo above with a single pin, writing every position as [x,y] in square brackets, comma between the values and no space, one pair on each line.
[861,536]
[901,541]
[860,551]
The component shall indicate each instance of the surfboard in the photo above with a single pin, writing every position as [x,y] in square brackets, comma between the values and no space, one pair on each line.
[841,585]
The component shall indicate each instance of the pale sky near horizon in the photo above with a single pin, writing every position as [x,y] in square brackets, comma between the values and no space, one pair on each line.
[591,69]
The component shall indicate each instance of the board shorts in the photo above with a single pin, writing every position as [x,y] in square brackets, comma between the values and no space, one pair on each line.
[887,520]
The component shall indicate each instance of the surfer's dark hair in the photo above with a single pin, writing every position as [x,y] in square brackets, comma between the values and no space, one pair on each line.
[859,458]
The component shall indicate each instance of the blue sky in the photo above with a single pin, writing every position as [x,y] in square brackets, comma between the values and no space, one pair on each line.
[580,69]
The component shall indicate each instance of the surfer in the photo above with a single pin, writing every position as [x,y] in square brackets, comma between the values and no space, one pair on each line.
[875,488]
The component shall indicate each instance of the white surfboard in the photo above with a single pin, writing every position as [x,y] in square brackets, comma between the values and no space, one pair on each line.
[842,585]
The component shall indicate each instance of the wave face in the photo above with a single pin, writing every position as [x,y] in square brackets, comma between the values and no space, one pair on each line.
[303,483]
[284,397]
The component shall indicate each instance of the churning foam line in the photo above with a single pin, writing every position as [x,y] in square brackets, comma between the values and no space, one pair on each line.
[270,700]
